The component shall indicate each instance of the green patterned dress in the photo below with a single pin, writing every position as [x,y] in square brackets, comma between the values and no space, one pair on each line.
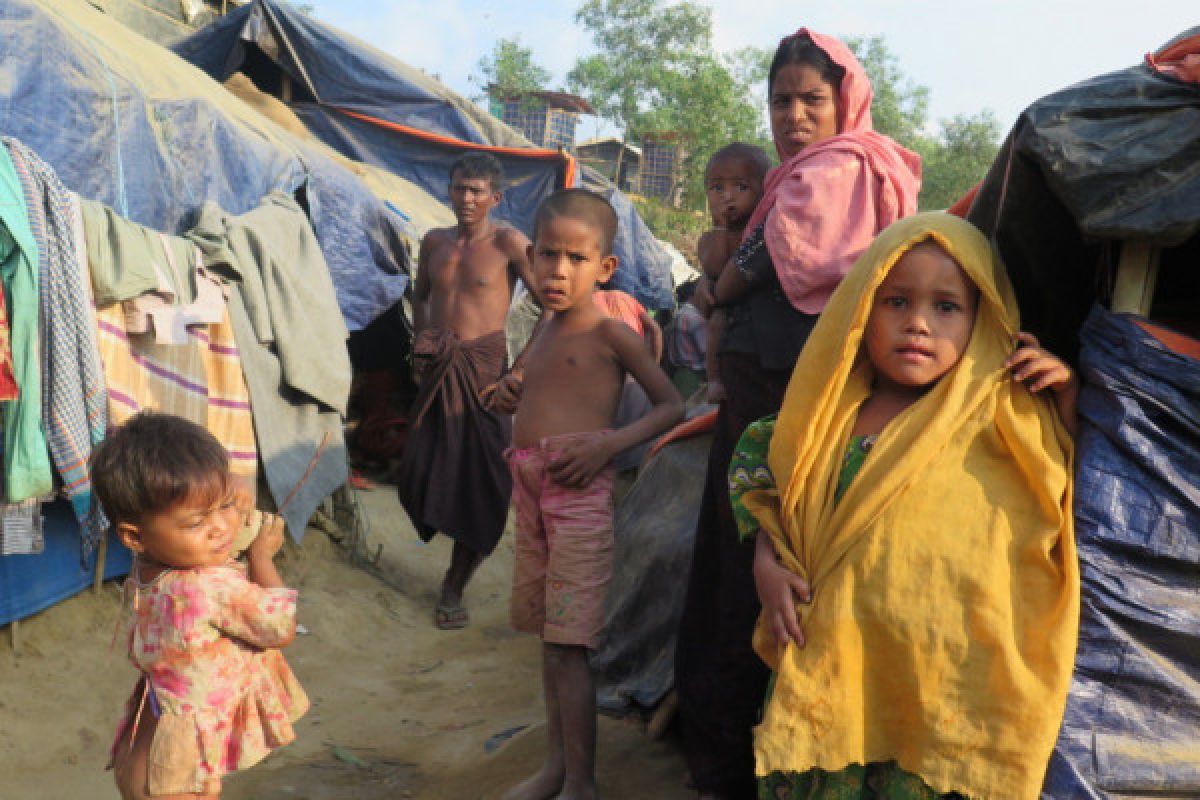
[749,471]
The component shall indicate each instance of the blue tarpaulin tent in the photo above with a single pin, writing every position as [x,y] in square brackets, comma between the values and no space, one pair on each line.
[1110,160]
[375,109]
[125,121]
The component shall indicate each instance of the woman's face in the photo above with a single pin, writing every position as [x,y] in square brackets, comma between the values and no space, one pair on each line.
[804,108]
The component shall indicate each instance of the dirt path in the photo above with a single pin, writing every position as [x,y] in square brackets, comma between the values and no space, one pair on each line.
[400,710]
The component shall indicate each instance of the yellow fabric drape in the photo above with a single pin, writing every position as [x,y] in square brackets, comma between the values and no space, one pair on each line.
[942,628]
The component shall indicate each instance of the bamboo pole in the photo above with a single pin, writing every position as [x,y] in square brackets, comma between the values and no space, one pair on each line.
[101,558]
[1137,274]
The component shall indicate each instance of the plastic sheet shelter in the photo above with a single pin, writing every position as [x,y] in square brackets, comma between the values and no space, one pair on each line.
[1132,725]
[130,124]
[1111,160]
[655,529]
[375,109]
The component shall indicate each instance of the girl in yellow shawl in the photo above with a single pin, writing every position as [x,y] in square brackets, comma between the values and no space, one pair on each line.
[923,520]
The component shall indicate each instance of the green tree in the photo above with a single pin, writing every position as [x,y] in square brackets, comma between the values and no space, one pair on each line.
[510,68]
[709,108]
[655,71]
[899,107]
[955,156]
[963,152]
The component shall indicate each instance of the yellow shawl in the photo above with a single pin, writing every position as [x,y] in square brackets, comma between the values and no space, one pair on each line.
[945,604]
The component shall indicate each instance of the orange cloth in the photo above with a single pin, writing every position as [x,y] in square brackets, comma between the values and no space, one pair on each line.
[1179,59]
[623,306]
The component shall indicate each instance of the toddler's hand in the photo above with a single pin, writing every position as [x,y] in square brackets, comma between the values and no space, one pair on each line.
[779,589]
[713,251]
[269,539]
[581,460]
[1037,368]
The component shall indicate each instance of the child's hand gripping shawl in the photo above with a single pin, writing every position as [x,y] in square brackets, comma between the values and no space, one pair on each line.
[945,586]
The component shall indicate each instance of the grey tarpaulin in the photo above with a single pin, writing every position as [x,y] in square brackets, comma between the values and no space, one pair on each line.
[655,527]
[1132,725]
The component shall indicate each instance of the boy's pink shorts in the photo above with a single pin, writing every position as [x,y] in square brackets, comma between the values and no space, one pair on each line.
[563,550]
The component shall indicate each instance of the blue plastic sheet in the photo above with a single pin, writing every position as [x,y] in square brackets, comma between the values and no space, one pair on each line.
[1132,725]
[331,73]
[69,90]
[31,583]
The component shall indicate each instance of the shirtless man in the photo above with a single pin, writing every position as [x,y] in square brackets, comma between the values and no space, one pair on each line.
[452,475]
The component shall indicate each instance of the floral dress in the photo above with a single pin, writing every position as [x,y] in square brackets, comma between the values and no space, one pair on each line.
[885,780]
[204,640]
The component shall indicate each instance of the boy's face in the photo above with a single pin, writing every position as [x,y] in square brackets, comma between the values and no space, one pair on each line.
[733,187]
[568,262]
[472,199]
[921,319]
[195,532]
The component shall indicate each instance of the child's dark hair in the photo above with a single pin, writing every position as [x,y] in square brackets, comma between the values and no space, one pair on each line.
[479,165]
[584,205]
[802,50]
[751,154]
[152,462]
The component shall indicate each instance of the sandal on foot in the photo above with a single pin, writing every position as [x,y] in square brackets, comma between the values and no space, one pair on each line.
[451,618]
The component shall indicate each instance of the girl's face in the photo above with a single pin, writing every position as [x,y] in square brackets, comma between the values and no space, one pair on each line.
[195,532]
[804,108]
[921,320]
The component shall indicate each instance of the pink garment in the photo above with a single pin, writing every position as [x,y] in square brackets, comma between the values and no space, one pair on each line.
[623,306]
[203,639]
[170,320]
[824,205]
[563,548]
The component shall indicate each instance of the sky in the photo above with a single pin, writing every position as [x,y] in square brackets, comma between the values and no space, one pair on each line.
[971,54]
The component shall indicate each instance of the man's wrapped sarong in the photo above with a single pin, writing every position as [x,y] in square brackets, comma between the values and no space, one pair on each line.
[452,475]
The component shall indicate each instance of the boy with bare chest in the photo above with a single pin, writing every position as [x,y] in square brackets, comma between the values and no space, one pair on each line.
[563,446]
[452,477]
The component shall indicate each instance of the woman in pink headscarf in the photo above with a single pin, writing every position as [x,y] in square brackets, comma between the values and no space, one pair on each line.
[838,185]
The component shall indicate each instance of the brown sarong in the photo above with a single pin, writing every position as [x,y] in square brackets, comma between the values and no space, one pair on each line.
[452,475]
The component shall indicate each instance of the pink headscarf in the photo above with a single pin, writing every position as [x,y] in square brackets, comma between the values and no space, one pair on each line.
[831,199]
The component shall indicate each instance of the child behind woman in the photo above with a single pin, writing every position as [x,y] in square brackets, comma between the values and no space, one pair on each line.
[215,694]
[561,461]
[733,185]
[923,521]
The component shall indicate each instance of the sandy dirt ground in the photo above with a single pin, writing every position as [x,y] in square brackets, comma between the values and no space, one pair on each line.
[400,709]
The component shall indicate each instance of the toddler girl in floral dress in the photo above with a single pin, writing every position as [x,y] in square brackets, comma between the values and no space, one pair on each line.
[215,694]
